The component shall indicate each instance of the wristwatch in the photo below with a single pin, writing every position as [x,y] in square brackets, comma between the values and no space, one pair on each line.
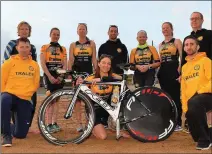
[150,67]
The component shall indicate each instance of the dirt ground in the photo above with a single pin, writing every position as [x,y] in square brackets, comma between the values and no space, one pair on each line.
[178,142]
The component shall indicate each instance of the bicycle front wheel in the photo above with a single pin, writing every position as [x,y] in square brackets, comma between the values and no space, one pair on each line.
[155,127]
[60,131]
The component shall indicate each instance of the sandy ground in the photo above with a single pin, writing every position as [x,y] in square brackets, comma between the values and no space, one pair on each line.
[178,142]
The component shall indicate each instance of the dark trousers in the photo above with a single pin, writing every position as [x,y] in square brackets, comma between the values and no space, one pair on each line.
[144,79]
[167,76]
[22,110]
[198,106]
[34,102]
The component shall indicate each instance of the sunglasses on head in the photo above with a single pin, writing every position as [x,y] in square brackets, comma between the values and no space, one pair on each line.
[104,56]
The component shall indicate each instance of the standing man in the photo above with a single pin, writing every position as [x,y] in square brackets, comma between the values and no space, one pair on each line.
[20,78]
[204,36]
[115,48]
[197,93]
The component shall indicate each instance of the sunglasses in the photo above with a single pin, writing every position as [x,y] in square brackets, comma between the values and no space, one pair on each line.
[104,56]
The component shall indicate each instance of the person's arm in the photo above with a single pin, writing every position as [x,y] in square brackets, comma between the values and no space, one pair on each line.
[179,47]
[5,70]
[94,61]
[9,48]
[183,96]
[37,77]
[43,65]
[34,54]
[207,70]
[101,50]
[132,59]
[156,59]
[64,58]
[126,56]
[71,56]
[183,61]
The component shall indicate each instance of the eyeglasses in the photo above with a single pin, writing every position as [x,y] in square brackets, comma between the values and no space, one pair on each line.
[104,56]
[197,18]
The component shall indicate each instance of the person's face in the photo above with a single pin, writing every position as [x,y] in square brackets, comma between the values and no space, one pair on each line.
[191,47]
[23,48]
[81,30]
[196,21]
[23,31]
[113,33]
[141,37]
[166,30]
[55,35]
[105,65]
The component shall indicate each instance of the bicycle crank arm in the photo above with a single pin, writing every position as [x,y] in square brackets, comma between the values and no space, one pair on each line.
[143,116]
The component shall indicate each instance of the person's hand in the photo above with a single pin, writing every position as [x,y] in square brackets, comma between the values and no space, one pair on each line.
[79,81]
[142,68]
[179,69]
[52,79]
[95,80]
[179,79]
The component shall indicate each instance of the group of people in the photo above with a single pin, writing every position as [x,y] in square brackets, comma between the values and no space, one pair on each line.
[183,71]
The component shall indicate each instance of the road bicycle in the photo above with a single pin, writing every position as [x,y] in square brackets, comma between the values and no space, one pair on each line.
[148,113]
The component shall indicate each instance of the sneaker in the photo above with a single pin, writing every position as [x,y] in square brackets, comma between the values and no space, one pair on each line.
[178,128]
[50,128]
[7,141]
[56,128]
[80,128]
[186,129]
[203,146]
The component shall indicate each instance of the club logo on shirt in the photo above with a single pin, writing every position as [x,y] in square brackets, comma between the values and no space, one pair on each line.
[119,50]
[31,68]
[196,67]
[200,38]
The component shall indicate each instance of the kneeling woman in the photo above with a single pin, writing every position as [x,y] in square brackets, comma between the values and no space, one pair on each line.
[104,91]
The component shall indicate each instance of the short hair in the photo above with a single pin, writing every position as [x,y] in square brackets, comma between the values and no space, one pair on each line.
[142,31]
[54,28]
[201,16]
[24,23]
[22,40]
[193,38]
[114,27]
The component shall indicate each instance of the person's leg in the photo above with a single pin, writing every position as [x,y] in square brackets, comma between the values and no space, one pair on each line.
[149,78]
[34,102]
[23,117]
[138,79]
[6,106]
[198,105]
[99,132]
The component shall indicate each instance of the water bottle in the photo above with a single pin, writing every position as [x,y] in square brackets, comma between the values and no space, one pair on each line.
[115,96]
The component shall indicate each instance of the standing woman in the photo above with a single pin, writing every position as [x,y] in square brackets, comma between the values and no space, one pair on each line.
[82,53]
[24,31]
[170,50]
[82,57]
[147,60]
[53,55]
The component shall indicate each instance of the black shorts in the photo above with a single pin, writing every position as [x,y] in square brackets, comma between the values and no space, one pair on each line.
[144,79]
[101,116]
[49,86]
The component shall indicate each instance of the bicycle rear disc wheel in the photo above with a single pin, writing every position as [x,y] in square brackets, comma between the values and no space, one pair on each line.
[74,129]
[152,128]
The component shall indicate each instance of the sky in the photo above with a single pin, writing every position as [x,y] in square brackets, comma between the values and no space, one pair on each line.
[129,16]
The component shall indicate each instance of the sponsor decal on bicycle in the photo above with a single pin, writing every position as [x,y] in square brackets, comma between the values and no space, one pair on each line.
[62,93]
[167,130]
[97,99]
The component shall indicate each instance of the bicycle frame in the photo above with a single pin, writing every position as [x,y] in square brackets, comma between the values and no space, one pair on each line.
[114,112]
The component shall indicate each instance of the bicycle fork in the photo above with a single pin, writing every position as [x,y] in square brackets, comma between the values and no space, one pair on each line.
[69,111]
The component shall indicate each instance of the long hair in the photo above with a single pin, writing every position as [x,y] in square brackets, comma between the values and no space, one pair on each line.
[97,73]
